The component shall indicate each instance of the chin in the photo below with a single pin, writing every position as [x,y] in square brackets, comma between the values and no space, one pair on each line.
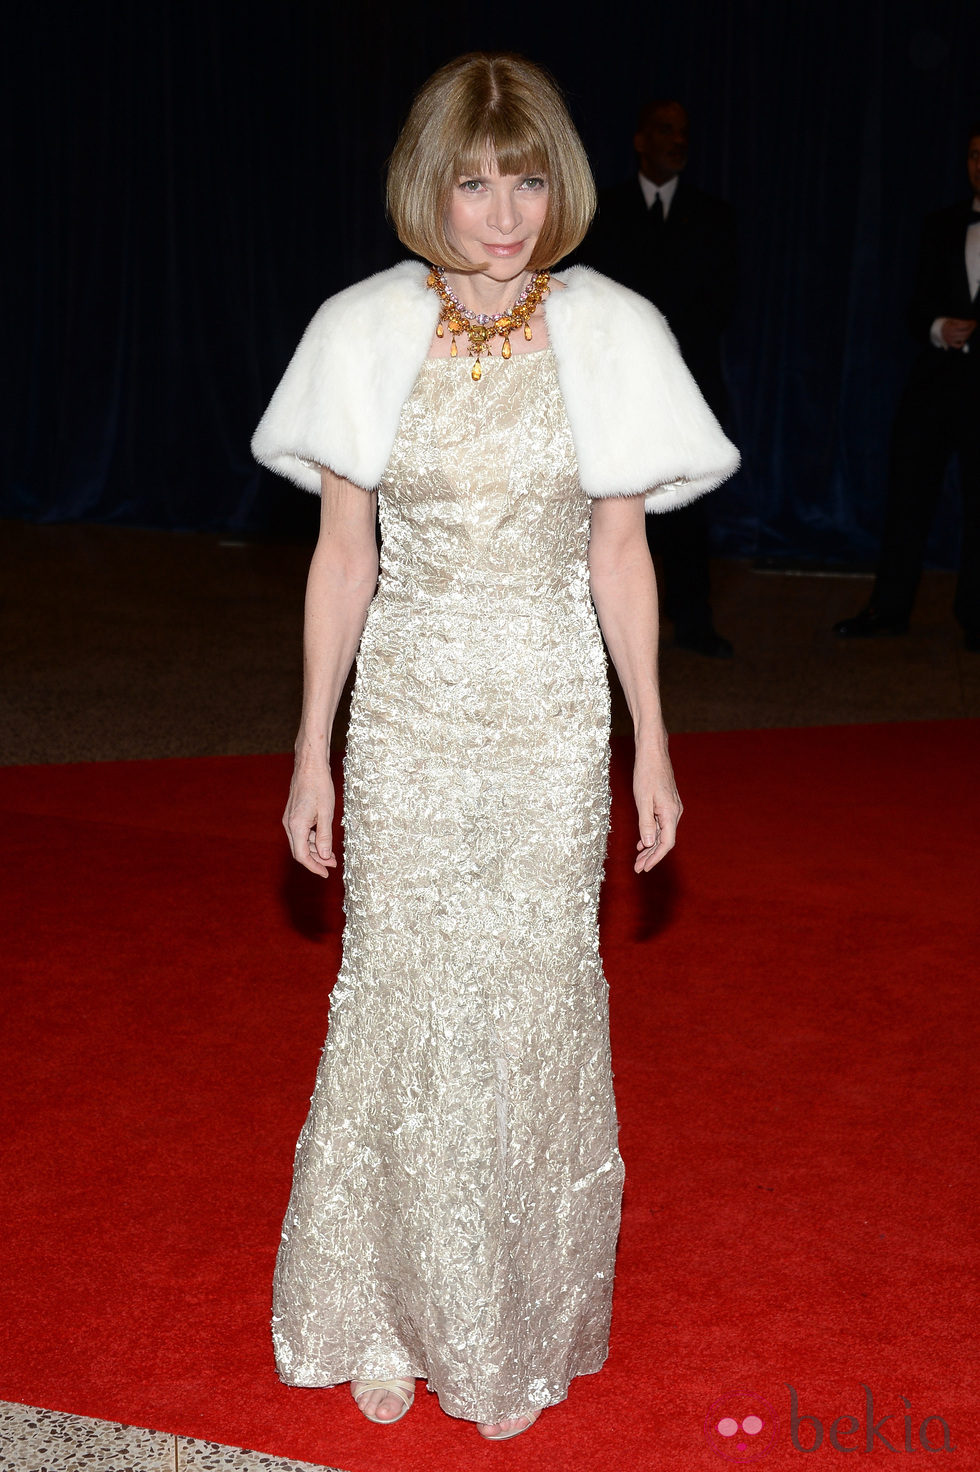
[500,268]
[503,270]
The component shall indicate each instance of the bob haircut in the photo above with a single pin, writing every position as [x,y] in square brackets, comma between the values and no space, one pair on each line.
[488,107]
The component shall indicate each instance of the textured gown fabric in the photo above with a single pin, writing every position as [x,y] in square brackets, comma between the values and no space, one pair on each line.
[457,1186]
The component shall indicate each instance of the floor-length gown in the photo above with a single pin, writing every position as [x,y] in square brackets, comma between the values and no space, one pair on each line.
[457,1186]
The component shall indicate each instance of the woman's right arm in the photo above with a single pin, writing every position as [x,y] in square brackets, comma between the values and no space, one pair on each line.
[341,584]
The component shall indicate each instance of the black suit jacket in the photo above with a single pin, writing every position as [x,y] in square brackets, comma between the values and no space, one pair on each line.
[687,268]
[942,289]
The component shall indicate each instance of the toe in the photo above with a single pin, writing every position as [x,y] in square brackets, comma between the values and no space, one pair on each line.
[384,1400]
[380,1403]
[504,1428]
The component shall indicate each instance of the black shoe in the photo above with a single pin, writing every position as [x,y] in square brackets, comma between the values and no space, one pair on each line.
[868,624]
[704,641]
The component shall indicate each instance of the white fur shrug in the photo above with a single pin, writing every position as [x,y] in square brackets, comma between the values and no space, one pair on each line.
[637,418]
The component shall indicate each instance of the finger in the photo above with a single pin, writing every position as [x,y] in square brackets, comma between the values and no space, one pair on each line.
[646,848]
[319,839]
[299,833]
[647,858]
[658,837]
[321,851]
[303,846]
[658,818]
[313,860]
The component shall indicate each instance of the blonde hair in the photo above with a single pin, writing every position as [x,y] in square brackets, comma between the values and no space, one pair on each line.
[488,107]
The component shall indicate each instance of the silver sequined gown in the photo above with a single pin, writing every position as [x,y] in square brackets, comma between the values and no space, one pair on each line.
[456,1194]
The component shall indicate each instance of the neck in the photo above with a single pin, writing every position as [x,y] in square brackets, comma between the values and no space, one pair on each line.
[481,293]
[656,176]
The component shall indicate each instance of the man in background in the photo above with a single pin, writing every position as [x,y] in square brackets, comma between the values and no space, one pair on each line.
[939,414]
[664,238]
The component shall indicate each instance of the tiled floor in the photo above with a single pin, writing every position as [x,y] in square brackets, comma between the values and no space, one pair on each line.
[33,1440]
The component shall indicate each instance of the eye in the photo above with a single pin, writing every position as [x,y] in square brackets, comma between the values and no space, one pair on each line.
[534,182]
[470,186]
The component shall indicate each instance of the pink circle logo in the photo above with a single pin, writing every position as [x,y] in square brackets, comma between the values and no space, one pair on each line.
[740,1426]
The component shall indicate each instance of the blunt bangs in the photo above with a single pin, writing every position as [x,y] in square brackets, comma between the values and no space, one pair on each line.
[508,150]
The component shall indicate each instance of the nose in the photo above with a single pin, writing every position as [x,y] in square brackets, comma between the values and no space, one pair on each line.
[504,214]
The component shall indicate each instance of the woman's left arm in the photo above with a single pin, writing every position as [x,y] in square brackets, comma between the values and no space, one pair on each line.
[624,590]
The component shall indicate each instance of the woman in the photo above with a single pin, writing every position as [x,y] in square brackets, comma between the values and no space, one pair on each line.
[456,1193]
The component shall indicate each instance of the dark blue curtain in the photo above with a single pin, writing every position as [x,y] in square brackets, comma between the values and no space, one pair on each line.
[186,183]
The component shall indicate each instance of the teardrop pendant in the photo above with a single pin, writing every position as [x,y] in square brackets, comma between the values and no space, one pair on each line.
[439,331]
[477,372]
[527,331]
[505,349]
[452,350]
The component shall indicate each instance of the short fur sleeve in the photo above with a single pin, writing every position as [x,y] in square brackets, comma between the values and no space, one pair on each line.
[638,419]
[339,400]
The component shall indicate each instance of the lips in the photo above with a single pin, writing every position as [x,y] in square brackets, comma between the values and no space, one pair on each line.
[504,251]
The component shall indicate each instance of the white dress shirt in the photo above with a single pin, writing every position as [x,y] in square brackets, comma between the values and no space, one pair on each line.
[666,192]
[972,250]
[971,254]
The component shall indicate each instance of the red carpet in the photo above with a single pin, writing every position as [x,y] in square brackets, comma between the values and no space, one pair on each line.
[795,1037]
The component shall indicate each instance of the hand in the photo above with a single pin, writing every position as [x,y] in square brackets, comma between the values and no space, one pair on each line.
[658,806]
[308,820]
[957,331]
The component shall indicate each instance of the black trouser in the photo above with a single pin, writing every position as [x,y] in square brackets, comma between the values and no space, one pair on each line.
[939,415]
[681,538]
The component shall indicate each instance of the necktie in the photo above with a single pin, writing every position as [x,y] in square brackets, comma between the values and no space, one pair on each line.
[656,214]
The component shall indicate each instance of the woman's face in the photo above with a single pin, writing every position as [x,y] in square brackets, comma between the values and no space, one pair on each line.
[496,219]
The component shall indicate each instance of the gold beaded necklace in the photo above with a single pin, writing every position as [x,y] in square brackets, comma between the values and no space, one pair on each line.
[481,329]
